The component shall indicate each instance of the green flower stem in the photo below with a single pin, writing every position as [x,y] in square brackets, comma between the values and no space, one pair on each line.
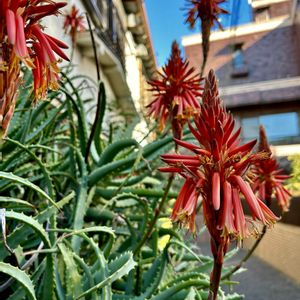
[216,272]
[156,216]
[99,100]
[94,47]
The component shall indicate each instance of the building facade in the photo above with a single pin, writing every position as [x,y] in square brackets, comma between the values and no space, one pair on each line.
[124,50]
[258,67]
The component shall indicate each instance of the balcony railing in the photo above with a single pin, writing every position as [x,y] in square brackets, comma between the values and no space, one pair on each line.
[108,26]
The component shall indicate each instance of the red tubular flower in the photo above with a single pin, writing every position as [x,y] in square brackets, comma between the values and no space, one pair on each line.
[22,39]
[269,177]
[9,83]
[175,93]
[217,172]
[74,22]
[207,11]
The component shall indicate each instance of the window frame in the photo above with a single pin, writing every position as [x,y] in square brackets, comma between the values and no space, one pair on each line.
[262,14]
[283,140]
[239,70]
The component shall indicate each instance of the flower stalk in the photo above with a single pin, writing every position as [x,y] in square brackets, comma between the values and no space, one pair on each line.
[218,172]
[219,251]
[100,98]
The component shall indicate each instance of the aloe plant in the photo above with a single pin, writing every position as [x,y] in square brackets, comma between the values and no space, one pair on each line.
[73,219]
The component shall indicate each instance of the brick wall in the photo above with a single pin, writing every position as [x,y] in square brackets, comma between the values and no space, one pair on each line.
[277,9]
[280,9]
[269,55]
[297,24]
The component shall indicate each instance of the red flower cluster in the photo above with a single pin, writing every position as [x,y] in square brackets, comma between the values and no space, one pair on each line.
[176,93]
[269,177]
[217,171]
[22,39]
[207,11]
[74,22]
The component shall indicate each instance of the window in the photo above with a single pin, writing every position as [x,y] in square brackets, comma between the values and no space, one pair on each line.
[262,14]
[238,56]
[283,127]
[239,66]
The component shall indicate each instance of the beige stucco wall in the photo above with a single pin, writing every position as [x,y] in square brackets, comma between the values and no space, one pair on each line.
[280,248]
[82,64]
[85,65]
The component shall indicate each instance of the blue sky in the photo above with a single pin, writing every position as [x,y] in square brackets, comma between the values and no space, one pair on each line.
[166,19]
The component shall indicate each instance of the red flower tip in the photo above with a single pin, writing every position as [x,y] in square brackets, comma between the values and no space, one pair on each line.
[207,11]
[216,170]
[176,93]
[269,178]
[74,23]
[60,4]
[263,141]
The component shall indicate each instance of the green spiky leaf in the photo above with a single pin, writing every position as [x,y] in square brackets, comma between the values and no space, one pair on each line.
[19,276]
[118,268]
